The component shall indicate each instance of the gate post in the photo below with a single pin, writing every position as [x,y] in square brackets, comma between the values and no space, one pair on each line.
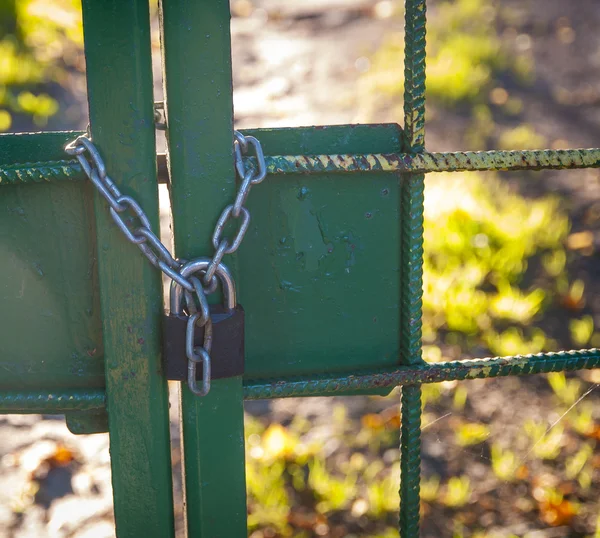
[120,94]
[196,47]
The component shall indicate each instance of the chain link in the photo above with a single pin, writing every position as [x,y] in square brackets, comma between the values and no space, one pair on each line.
[158,255]
[197,354]
[241,144]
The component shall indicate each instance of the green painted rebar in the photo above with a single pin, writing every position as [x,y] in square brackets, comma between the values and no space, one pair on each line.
[51,402]
[465,161]
[40,172]
[410,461]
[422,372]
[428,373]
[411,278]
[542,363]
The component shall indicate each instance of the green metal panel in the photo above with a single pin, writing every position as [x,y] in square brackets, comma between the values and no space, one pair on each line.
[320,264]
[50,331]
[197,65]
[119,74]
[35,147]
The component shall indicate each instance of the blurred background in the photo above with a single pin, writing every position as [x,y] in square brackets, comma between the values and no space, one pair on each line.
[511,266]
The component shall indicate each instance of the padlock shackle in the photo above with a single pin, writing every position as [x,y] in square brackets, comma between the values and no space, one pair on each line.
[222,273]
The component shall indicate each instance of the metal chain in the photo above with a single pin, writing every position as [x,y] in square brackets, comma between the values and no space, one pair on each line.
[249,176]
[159,256]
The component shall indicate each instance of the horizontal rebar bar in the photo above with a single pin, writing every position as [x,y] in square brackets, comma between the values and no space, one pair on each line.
[51,401]
[436,162]
[373,162]
[424,373]
[62,401]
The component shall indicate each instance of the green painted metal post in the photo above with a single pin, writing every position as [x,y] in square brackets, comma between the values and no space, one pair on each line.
[411,289]
[119,74]
[198,91]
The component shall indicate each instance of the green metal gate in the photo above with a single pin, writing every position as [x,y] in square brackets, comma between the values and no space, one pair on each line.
[80,323]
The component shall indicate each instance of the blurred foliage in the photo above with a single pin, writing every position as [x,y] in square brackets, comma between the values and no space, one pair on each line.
[463,52]
[468,67]
[296,490]
[39,42]
[479,239]
[471,434]
[458,491]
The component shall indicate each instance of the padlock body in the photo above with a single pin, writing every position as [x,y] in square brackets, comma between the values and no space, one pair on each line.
[227,354]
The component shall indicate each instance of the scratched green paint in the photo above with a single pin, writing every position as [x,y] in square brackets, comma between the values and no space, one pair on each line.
[319,267]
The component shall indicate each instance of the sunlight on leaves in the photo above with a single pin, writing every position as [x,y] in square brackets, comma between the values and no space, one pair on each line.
[566,390]
[478,239]
[430,488]
[40,42]
[458,492]
[504,463]
[471,434]
[522,137]
[546,444]
[581,330]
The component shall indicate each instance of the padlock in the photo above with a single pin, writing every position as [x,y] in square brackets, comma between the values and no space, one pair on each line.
[227,354]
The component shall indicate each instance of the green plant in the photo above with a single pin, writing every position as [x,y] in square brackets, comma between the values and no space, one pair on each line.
[581,330]
[566,390]
[382,494]
[504,463]
[431,394]
[267,496]
[430,488]
[332,493]
[41,41]
[458,492]
[521,137]
[471,433]
[479,238]
[577,466]
[390,532]
[546,442]
[581,418]
[460,397]
[463,53]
